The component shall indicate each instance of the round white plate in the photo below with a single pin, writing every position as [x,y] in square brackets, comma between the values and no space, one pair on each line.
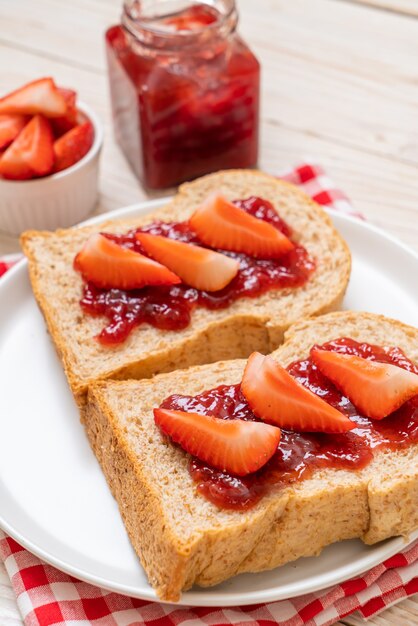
[54,499]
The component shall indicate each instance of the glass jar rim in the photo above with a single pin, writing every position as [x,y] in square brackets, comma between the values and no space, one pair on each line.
[145,29]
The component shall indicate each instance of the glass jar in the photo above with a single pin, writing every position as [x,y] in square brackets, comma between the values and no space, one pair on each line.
[184,89]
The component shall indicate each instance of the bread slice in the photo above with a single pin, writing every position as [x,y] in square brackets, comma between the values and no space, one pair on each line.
[183,539]
[248,324]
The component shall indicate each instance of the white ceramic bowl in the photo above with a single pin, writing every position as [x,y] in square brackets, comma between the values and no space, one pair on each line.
[54,201]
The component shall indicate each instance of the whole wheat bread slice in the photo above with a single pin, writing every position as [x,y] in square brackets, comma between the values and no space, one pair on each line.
[183,539]
[248,324]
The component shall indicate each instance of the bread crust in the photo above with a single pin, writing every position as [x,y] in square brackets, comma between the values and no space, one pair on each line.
[181,538]
[248,324]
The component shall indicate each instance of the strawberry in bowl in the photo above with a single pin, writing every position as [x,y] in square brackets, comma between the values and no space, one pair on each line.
[49,154]
[41,130]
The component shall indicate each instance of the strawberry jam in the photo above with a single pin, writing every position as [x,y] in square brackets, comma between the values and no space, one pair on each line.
[300,454]
[184,90]
[171,307]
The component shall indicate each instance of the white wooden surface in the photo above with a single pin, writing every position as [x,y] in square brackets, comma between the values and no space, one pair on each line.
[407,7]
[340,85]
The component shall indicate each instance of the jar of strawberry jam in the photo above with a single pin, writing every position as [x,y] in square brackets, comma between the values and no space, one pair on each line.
[184,89]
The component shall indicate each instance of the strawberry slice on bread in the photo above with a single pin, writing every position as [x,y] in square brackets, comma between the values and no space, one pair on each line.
[31,153]
[235,446]
[276,397]
[198,267]
[108,265]
[39,96]
[376,389]
[220,224]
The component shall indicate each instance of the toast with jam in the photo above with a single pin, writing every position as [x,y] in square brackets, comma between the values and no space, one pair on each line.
[242,466]
[219,272]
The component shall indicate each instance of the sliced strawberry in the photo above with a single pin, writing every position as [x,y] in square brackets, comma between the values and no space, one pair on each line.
[70,97]
[72,146]
[66,122]
[276,397]
[234,446]
[376,389]
[220,224]
[10,127]
[107,265]
[198,267]
[40,96]
[31,153]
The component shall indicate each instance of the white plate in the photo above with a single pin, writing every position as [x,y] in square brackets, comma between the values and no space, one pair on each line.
[53,497]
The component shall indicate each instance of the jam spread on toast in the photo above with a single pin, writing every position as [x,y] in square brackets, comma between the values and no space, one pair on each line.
[299,454]
[170,307]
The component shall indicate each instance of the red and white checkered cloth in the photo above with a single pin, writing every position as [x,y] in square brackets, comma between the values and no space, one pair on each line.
[48,597]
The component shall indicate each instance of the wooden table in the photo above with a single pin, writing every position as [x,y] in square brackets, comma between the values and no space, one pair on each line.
[340,86]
